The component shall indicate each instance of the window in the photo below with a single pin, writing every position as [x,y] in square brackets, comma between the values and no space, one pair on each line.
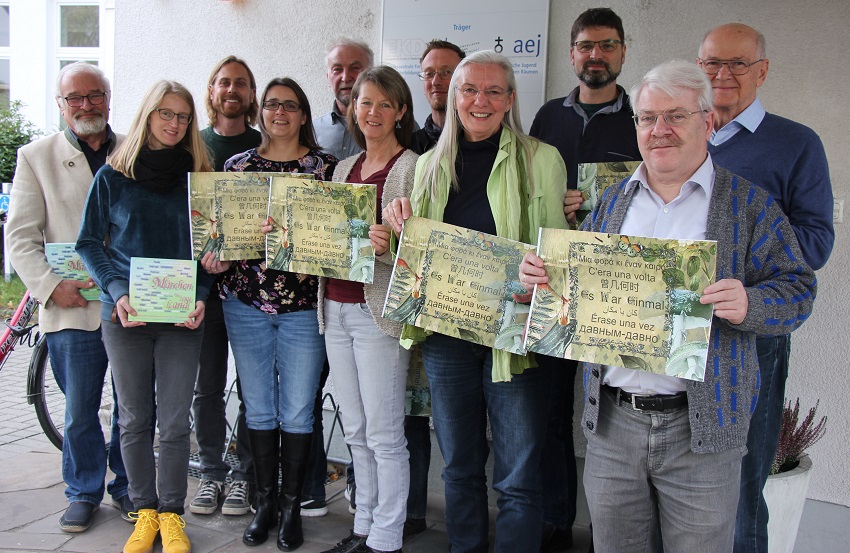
[78,35]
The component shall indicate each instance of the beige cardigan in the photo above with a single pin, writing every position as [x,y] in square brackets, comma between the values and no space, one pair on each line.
[49,192]
[399,184]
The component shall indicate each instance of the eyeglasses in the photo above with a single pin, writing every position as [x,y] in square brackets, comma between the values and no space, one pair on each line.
[673,117]
[288,105]
[95,99]
[736,67]
[493,94]
[429,75]
[168,115]
[586,46]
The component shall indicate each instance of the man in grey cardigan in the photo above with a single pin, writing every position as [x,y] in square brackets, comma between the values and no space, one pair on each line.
[661,448]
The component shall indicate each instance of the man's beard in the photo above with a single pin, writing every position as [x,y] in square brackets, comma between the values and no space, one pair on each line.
[344,97]
[89,126]
[229,113]
[597,79]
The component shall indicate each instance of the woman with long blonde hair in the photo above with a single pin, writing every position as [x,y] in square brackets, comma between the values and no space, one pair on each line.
[138,207]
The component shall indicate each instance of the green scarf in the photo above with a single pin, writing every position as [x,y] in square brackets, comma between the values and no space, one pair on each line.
[509,193]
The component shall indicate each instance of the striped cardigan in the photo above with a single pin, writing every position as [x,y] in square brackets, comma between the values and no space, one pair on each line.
[756,245]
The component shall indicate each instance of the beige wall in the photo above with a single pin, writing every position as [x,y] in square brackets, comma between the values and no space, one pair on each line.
[808,82]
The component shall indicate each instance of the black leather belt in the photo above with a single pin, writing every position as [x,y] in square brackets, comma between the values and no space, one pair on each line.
[650,403]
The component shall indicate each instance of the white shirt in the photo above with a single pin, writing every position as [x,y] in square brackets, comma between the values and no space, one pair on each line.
[749,119]
[684,218]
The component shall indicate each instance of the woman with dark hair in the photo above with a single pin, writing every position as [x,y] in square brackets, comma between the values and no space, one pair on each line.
[368,365]
[137,207]
[274,333]
[485,174]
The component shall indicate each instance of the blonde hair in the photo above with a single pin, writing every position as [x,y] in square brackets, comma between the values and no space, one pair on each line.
[124,157]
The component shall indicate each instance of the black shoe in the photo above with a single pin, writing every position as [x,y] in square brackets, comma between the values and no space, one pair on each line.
[125,507]
[413,526]
[555,539]
[352,544]
[78,517]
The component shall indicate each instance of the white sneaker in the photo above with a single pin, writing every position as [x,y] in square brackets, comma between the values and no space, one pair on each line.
[238,500]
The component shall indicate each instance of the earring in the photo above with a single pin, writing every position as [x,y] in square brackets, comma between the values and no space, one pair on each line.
[398,123]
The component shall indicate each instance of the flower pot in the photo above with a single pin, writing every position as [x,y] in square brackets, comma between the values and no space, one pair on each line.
[785,494]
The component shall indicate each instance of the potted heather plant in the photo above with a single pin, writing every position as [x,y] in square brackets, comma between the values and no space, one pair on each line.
[785,491]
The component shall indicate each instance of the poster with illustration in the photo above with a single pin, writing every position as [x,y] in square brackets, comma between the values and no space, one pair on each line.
[625,301]
[459,282]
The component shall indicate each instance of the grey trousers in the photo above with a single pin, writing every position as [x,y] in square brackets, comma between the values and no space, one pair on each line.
[133,353]
[640,473]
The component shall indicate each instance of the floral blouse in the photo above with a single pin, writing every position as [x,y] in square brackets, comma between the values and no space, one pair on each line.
[268,290]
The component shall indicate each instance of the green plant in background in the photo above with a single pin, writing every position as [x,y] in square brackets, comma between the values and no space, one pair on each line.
[795,437]
[15,131]
[11,292]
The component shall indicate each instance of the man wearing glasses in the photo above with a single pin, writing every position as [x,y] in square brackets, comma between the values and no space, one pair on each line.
[592,124]
[661,448]
[438,63]
[52,180]
[788,160]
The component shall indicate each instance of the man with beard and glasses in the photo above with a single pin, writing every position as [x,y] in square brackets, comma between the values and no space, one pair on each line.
[232,109]
[50,187]
[346,59]
[592,124]
[788,160]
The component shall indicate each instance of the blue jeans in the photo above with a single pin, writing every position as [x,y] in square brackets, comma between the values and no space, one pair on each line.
[209,408]
[279,359]
[369,369]
[462,392]
[79,363]
[762,440]
[640,473]
[559,457]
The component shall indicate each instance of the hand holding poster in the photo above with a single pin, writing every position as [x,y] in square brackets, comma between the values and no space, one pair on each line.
[626,301]
[162,290]
[458,282]
[321,228]
[66,262]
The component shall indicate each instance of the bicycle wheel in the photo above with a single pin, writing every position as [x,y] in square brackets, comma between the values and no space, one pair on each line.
[46,395]
[49,400]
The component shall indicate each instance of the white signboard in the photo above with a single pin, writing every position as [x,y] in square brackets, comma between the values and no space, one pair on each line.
[518,30]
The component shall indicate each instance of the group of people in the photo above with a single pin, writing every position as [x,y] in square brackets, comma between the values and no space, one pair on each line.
[669,461]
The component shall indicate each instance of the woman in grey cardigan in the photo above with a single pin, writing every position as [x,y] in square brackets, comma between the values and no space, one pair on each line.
[368,365]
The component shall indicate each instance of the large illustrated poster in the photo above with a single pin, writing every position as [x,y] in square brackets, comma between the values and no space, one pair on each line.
[458,282]
[626,301]
[322,228]
[517,30]
[227,212]
[595,178]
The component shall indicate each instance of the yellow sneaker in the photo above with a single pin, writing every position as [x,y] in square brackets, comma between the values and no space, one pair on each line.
[174,539]
[145,532]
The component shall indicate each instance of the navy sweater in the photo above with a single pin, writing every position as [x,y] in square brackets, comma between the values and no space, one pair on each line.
[787,159]
[608,136]
[139,223]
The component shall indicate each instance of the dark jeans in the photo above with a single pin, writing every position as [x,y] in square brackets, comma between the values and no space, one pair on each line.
[79,363]
[559,457]
[418,435]
[462,392]
[762,440]
[317,465]
[208,405]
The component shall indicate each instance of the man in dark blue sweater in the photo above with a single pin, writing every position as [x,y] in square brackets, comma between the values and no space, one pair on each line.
[592,124]
[788,160]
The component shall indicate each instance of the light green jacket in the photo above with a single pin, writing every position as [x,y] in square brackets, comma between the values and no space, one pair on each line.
[545,193]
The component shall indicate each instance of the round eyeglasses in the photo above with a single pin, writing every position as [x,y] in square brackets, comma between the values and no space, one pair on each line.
[736,67]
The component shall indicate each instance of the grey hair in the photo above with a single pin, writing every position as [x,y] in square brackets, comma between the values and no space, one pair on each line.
[672,78]
[447,145]
[345,41]
[81,67]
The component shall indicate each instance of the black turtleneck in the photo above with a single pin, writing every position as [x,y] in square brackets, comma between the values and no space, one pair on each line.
[469,206]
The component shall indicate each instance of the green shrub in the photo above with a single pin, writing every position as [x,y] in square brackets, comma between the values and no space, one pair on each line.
[15,131]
